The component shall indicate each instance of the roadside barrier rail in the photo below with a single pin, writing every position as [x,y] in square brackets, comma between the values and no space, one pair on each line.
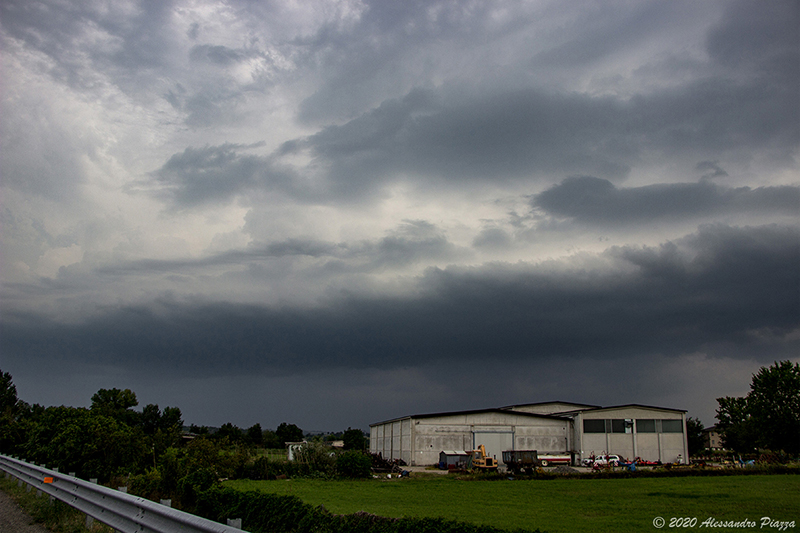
[124,512]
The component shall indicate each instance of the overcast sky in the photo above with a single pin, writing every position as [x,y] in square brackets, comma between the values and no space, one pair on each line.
[336,213]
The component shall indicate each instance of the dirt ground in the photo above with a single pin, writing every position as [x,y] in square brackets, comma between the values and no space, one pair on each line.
[14,520]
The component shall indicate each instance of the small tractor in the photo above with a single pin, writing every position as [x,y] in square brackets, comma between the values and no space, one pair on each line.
[478,460]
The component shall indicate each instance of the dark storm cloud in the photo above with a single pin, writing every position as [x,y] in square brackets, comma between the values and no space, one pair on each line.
[741,103]
[723,288]
[594,200]
[524,134]
[759,38]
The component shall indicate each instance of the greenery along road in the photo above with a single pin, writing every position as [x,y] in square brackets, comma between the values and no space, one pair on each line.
[560,505]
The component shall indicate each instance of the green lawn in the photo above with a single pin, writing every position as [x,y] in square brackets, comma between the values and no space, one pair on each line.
[559,505]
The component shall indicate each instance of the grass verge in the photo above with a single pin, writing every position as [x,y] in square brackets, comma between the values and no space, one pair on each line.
[556,505]
[55,516]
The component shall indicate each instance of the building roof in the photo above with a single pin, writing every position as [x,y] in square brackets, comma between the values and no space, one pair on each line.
[549,403]
[625,406]
[470,412]
[509,411]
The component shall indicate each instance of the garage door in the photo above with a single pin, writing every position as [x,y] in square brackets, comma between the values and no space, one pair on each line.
[496,442]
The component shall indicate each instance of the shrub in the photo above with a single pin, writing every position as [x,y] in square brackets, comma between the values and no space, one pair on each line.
[194,484]
[315,459]
[261,512]
[353,464]
[148,485]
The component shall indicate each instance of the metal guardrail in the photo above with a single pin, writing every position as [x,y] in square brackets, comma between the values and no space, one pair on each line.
[123,512]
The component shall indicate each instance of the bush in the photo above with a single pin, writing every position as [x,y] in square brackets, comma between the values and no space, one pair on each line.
[148,485]
[261,512]
[196,483]
[315,459]
[354,464]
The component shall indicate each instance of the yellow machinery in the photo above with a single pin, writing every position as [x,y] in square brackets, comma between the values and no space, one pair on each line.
[478,460]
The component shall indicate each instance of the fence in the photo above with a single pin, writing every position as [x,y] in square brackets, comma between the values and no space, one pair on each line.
[124,512]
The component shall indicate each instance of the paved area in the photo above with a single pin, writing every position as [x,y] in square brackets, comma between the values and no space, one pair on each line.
[14,520]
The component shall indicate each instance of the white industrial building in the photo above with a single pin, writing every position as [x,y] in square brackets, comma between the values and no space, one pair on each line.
[652,433]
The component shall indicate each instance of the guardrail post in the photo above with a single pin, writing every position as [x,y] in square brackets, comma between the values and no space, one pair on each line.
[168,503]
[123,489]
[235,522]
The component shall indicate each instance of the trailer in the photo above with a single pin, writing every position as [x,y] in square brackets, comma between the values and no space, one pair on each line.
[555,458]
[518,460]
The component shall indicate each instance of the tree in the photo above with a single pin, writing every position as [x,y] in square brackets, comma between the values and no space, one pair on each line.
[10,411]
[769,416]
[233,433]
[8,392]
[171,419]
[117,404]
[774,400]
[694,435]
[255,435]
[288,433]
[114,400]
[354,440]
[151,418]
[271,440]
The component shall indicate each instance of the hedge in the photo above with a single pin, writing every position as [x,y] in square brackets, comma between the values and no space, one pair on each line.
[270,513]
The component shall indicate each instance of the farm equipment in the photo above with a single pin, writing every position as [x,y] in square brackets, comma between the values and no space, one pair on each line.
[518,460]
[478,460]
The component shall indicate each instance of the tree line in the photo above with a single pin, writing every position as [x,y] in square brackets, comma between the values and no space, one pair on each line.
[110,439]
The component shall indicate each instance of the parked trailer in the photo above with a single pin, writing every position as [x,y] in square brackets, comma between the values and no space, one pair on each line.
[518,460]
[550,458]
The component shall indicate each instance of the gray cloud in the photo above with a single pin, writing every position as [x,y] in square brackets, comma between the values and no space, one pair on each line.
[530,134]
[719,288]
[412,242]
[87,37]
[712,169]
[211,174]
[593,200]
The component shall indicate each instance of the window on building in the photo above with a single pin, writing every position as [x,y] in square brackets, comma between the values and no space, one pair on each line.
[621,425]
[645,425]
[671,426]
[594,426]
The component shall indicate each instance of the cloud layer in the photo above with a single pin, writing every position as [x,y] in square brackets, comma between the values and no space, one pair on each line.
[345,199]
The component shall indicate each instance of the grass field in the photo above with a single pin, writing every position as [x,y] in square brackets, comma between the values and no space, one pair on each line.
[560,505]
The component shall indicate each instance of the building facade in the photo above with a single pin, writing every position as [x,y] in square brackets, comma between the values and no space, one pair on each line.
[712,439]
[652,433]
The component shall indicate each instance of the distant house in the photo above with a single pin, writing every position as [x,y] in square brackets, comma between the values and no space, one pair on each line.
[712,439]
